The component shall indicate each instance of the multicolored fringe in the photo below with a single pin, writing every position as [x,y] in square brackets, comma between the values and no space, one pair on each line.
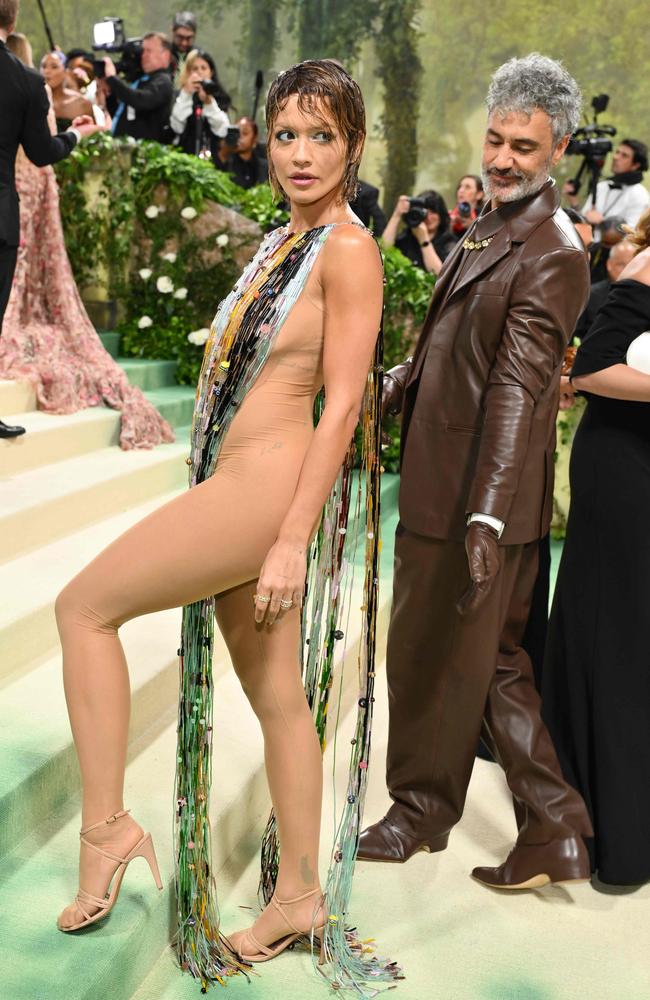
[242,336]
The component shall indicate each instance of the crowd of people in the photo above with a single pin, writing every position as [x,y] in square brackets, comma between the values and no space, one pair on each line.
[470,647]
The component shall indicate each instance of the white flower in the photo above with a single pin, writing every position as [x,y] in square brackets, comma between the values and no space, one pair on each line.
[188,213]
[152,211]
[180,293]
[165,285]
[144,322]
[145,273]
[222,240]
[171,257]
[199,337]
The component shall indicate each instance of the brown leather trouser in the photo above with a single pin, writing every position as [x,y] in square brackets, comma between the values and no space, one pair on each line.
[452,678]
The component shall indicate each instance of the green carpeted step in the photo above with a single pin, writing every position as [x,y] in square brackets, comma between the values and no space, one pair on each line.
[149,374]
[174,402]
[111,341]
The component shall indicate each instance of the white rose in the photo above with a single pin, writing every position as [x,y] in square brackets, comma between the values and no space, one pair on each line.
[165,285]
[171,257]
[180,293]
[144,322]
[152,211]
[222,240]
[199,337]
[145,273]
[188,213]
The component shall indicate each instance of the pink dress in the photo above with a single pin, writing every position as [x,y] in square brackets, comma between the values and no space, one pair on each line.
[47,337]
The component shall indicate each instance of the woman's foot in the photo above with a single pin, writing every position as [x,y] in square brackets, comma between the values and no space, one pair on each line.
[95,871]
[278,921]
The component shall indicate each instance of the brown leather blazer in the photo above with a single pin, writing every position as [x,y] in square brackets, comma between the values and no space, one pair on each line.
[481,392]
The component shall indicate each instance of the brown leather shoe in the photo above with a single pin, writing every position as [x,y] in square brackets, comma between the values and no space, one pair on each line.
[383,841]
[529,866]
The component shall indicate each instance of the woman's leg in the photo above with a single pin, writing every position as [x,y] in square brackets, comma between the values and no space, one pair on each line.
[204,542]
[266,659]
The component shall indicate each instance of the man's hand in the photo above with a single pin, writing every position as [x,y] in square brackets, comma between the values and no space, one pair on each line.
[567,393]
[85,126]
[594,217]
[109,67]
[484,563]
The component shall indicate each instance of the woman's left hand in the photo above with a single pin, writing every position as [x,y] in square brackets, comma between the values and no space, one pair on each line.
[282,581]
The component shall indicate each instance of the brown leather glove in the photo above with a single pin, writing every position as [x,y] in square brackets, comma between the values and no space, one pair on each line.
[481,546]
[392,395]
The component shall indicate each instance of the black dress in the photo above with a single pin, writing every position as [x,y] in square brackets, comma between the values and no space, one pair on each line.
[596,679]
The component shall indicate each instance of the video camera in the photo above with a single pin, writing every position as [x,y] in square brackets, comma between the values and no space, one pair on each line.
[109,36]
[592,143]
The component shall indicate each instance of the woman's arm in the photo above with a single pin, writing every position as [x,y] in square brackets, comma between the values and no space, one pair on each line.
[430,259]
[181,112]
[352,283]
[216,118]
[389,234]
[617,382]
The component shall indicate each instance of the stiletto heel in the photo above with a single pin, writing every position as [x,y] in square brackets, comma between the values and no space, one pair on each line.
[146,850]
[143,849]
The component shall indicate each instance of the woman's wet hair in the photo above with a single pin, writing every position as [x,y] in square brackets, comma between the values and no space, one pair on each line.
[324,89]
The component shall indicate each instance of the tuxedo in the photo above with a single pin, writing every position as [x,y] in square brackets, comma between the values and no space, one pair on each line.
[24,107]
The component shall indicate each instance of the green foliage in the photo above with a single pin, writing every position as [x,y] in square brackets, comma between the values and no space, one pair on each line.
[407,293]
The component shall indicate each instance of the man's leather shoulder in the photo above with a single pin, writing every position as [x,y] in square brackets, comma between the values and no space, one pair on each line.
[557,232]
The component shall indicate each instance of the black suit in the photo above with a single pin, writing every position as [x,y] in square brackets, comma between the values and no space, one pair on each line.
[23,122]
[366,207]
[597,298]
[150,103]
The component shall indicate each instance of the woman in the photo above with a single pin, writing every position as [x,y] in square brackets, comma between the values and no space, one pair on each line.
[198,117]
[66,101]
[305,313]
[428,242]
[47,337]
[469,201]
[596,682]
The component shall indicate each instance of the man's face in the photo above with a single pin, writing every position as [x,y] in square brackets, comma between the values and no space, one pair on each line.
[154,56]
[518,154]
[623,160]
[183,38]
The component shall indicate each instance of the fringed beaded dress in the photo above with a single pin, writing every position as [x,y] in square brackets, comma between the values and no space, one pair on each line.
[254,419]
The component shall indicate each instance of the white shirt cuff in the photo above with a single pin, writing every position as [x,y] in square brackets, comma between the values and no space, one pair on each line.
[492,522]
[76,133]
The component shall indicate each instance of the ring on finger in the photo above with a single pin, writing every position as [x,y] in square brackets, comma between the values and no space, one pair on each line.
[285,605]
[262,598]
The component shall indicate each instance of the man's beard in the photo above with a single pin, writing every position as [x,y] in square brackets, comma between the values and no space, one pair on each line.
[528,183]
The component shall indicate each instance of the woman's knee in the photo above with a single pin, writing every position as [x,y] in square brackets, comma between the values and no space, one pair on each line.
[75,606]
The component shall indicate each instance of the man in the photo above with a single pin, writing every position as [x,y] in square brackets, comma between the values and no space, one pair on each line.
[619,257]
[144,106]
[623,194]
[479,400]
[23,122]
[243,161]
[183,35]
[367,208]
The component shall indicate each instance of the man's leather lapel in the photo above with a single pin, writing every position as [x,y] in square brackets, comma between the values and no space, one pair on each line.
[484,259]
[443,284]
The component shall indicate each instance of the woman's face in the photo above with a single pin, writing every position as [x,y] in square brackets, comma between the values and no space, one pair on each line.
[52,70]
[308,152]
[200,70]
[468,191]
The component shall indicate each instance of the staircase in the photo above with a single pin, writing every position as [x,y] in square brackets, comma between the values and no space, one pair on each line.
[67,490]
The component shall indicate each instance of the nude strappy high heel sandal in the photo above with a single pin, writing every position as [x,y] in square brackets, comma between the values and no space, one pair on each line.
[143,849]
[264,953]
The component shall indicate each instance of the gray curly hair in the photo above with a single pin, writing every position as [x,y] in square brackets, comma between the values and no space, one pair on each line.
[537,82]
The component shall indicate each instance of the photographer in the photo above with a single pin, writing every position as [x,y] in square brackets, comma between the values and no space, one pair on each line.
[623,194]
[469,201]
[242,160]
[183,36]
[199,117]
[143,108]
[427,240]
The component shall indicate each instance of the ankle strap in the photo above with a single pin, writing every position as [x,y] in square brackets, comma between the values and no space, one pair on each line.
[102,822]
[305,895]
